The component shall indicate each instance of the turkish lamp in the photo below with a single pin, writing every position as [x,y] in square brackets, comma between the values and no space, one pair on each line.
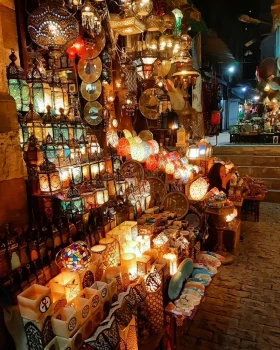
[90,18]
[120,185]
[153,23]
[49,179]
[185,75]
[202,145]
[34,124]
[53,28]
[32,153]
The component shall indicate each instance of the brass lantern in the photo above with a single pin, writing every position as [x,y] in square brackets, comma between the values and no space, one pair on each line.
[59,96]
[49,180]
[90,18]
[39,88]
[18,87]
[52,27]
[102,195]
[144,64]
[72,203]
[32,153]
[34,124]
[185,75]
[142,7]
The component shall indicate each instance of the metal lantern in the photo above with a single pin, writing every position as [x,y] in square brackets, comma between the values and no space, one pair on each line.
[144,64]
[39,88]
[32,153]
[34,124]
[127,25]
[142,7]
[193,152]
[90,18]
[97,166]
[49,180]
[121,185]
[102,195]
[94,146]
[154,23]
[18,87]
[88,193]
[72,202]
[52,27]
[109,183]
[185,75]
[59,96]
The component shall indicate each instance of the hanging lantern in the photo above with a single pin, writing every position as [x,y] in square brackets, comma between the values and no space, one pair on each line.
[32,155]
[18,87]
[49,180]
[178,21]
[142,7]
[155,146]
[154,23]
[169,21]
[185,75]
[76,257]
[131,103]
[94,146]
[39,89]
[112,138]
[144,64]
[102,195]
[120,185]
[52,27]
[187,116]
[59,95]
[170,168]
[88,193]
[90,18]
[127,25]
[198,189]
[151,163]
[202,146]
[123,147]
[109,183]
[193,152]
[137,152]
[34,124]
[72,203]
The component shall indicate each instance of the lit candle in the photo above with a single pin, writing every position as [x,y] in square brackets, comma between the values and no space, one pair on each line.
[128,260]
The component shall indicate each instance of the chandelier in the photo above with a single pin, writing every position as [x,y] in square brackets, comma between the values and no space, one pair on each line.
[185,75]
[52,27]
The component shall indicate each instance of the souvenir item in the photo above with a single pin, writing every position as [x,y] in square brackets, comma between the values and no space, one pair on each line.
[149,103]
[91,91]
[93,113]
[90,70]
[176,202]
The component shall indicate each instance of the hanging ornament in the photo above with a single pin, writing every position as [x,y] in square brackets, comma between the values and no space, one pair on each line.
[90,18]
[142,7]
[53,28]
[151,163]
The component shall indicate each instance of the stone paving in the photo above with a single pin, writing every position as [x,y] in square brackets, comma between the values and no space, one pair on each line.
[241,308]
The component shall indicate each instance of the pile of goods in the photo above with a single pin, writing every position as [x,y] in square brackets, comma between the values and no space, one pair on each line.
[217,199]
[254,187]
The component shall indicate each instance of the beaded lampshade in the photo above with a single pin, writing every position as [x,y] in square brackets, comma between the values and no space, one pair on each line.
[198,189]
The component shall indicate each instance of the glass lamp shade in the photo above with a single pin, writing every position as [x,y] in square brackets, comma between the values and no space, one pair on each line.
[102,196]
[94,146]
[145,71]
[193,152]
[198,189]
[142,7]
[97,168]
[202,146]
[146,149]
[165,42]
[59,98]
[137,152]
[121,187]
[123,147]
[49,179]
[151,163]
[89,199]
[64,177]
[109,183]
[72,202]
[169,168]
[52,27]
[112,138]
[154,145]
[76,257]
[76,175]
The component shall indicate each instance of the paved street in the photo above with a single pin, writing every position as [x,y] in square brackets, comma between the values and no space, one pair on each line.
[241,309]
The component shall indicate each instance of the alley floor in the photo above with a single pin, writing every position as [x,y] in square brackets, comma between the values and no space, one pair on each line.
[241,308]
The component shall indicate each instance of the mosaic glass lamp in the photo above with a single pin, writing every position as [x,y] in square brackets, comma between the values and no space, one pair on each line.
[76,257]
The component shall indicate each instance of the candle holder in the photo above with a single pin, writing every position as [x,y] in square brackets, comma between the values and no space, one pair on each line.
[112,252]
[143,265]
[115,272]
[82,306]
[65,322]
[34,302]
[131,227]
[128,261]
[66,283]
[93,296]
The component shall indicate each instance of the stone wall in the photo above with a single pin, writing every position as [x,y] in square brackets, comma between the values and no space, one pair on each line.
[13,206]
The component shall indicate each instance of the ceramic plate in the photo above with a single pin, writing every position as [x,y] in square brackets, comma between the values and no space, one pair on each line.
[202,271]
[188,292]
[186,268]
[209,260]
[198,280]
[195,285]
[203,277]
[199,291]
[175,285]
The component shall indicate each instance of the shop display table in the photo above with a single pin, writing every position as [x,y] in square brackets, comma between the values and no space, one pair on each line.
[251,205]
[219,218]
